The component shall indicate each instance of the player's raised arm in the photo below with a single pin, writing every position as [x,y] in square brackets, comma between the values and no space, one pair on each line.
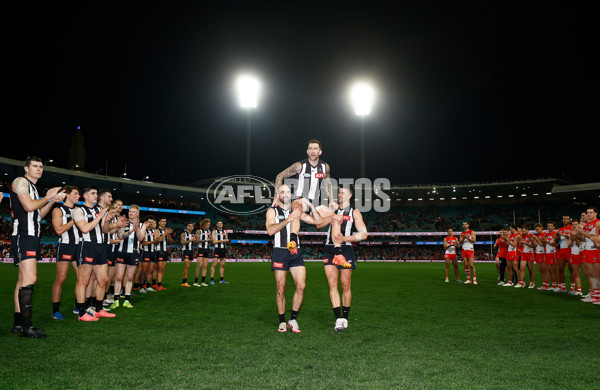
[290,171]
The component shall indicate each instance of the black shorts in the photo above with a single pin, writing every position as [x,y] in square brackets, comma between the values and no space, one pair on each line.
[347,251]
[112,258]
[68,252]
[128,258]
[92,254]
[203,252]
[25,247]
[187,255]
[148,257]
[162,256]
[220,253]
[283,260]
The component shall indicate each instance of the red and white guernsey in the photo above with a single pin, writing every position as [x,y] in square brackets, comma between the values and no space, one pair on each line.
[564,236]
[527,240]
[467,245]
[451,250]
[512,239]
[550,238]
[590,228]
[540,248]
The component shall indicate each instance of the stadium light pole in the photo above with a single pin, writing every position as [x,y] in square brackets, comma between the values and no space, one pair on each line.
[248,89]
[361,97]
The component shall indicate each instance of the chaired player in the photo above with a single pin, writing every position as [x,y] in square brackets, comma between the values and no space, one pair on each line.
[550,240]
[278,224]
[352,229]
[467,239]
[564,254]
[28,210]
[450,247]
[203,251]
[187,251]
[164,239]
[575,259]
[128,256]
[501,246]
[219,240]
[309,175]
[93,221]
[68,250]
[591,254]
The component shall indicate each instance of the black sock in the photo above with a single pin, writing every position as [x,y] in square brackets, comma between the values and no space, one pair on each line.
[25,305]
[337,312]
[345,311]
[184,281]
[116,297]
[196,280]
[127,297]
[111,290]
[81,308]
[55,307]
[154,282]
[88,302]
[98,304]
[221,278]
[337,250]
[294,315]
[203,279]
[281,317]
[17,319]
[160,283]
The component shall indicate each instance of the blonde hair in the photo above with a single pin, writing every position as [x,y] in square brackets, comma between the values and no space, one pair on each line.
[204,222]
[134,206]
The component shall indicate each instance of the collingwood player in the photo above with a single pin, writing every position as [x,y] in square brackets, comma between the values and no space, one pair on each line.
[352,229]
[113,247]
[308,175]
[27,211]
[148,257]
[219,240]
[93,221]
[68,250]
[187,251]
[164,239]
[278,221]
[128,256]
[204,238]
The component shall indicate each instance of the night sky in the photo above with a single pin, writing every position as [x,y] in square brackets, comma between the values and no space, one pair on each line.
[465,92]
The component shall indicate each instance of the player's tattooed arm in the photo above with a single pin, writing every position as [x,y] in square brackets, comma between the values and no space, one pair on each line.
[292,170]
[332,201]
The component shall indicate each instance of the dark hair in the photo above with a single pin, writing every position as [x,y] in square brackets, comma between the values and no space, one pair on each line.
[504,228]
[538,225]
[87,189]
[148,217]
[550,222]
[514,227]
[161,218]
[593,208]
[349,187]
[29,160]
[103,191]
[524,226]
[315,141]
[69,189]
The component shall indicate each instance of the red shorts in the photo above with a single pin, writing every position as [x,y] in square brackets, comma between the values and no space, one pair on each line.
[576,259]
[449,256]
[468,254]
[551,258]
[511,256]
[591,256]
[540,257]
[564,253]
[525,256]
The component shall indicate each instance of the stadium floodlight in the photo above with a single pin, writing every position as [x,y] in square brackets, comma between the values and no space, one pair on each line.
[248,90]
[362,96]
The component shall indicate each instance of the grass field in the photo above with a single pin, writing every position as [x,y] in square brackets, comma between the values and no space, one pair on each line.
[407,329]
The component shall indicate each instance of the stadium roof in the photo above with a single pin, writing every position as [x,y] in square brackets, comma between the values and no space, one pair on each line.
[498,191]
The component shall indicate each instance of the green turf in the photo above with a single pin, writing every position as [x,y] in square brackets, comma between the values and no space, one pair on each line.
[407,329]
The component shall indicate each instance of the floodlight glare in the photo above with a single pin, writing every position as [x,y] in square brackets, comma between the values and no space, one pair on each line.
[248,89]
[362,96]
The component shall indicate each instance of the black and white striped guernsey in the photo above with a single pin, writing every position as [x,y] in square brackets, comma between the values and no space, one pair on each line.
[130,244]
[282,237]
[161,246]
[25,223]
[71,236]
[220,235]
[203,234]
[150,234]
[310,179]
[190,245]
[347,227]
[95,235]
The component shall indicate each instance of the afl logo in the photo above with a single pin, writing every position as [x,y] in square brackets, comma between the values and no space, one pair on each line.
[240,194]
